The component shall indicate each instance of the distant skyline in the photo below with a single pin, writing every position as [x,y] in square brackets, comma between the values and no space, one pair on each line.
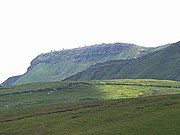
[29,28]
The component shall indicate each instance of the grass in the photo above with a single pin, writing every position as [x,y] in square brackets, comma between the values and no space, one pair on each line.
[74,92]
[149,115]
[71,92]
[130,106]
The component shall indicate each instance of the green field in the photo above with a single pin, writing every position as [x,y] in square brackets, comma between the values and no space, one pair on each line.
[97,107]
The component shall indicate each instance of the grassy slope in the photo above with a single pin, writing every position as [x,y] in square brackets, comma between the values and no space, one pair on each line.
[96,107]
[71,92]
[150,115]
[163,64]
[52,72]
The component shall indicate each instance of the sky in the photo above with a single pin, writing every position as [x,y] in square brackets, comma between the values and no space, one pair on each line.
[32,27]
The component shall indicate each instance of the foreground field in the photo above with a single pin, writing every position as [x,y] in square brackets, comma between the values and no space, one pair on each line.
[149,115]
[97,107]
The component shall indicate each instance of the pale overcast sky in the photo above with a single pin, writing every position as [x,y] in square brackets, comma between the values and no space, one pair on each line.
[31,27]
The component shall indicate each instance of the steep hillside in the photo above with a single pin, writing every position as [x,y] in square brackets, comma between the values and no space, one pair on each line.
[58,65]
[162,64]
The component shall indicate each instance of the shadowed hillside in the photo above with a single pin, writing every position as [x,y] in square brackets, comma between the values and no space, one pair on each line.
[162,64]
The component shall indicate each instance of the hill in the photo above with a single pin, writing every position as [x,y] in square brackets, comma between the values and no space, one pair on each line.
[162,64]
[58,65]
[10,81]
